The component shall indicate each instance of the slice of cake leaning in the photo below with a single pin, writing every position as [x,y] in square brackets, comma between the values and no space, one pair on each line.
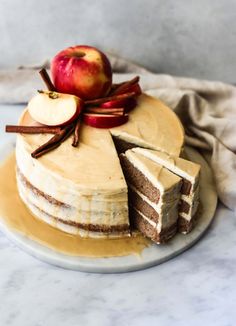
[154,194]
[189,172]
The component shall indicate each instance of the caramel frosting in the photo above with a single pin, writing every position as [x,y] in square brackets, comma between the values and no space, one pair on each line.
[152,125]
[92,167]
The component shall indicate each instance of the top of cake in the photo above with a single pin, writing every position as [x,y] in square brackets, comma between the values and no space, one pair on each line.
[152,125]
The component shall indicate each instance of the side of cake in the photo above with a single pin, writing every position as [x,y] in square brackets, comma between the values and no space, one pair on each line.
[154,194]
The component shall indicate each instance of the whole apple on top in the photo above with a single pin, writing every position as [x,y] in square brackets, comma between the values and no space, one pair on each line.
[83,71]
[86,72]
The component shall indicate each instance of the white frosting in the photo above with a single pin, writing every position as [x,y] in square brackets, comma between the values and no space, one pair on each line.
[183,168]
[160,177]
[160,207]
[193,210]
[164,221]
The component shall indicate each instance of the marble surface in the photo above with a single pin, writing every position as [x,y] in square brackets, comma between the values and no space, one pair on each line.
[197,287]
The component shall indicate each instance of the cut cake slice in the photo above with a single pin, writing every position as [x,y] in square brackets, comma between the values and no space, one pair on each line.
[189,172]
[154,194]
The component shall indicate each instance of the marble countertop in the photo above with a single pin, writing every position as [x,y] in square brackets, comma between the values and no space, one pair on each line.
[197,287]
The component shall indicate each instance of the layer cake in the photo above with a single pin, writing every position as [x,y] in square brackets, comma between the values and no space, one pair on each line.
[82,189]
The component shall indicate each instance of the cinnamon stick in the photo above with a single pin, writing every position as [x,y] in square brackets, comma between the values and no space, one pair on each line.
[76,133]
[115,111]
[53,142]
[124,86]
[32,129]
[110,98]
[43,73]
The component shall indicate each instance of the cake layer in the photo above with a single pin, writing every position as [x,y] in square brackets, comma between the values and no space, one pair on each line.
[138,180]
[189,204]
[121,145]
[164,213]
[139,203]
[185,226]
[149,229]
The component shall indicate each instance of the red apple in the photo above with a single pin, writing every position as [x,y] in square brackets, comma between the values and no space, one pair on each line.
[83,71]
[104,121]
[128,104]
[54,109]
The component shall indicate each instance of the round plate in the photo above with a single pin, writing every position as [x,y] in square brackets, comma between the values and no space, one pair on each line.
[151,256]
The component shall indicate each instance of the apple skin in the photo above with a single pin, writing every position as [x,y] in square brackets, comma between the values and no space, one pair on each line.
[128,104]
[83,71]
[104,121]
[130,88]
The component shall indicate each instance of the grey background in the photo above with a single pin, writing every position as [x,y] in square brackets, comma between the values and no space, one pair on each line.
[184,38]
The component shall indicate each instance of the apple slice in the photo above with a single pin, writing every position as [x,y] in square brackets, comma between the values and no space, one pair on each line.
[104,121]
[130,88]
[128,104]
[114,104]
[54,109]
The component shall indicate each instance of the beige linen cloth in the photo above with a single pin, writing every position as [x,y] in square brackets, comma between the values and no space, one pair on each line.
[207,110]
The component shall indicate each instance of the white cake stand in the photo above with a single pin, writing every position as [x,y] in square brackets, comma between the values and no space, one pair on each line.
[151,256]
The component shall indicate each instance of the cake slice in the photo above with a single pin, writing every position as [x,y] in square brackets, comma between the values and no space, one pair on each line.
[154,194]
[189,172]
